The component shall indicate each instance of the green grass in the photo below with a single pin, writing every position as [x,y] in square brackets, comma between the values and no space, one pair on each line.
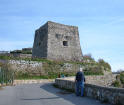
[49,76]
[93,73]
[4,57]
[31,77]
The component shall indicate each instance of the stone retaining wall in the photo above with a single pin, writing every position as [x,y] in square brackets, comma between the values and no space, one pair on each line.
[105,94]
[20,82]
[39,68]
[101,80]
[21,55]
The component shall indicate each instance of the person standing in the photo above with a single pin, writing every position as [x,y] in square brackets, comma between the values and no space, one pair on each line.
[79,80]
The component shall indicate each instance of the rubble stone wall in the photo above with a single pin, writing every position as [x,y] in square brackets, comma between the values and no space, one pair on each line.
[104,94]
[100,80]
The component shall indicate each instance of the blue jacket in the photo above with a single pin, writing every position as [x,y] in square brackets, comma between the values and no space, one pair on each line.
[80,76]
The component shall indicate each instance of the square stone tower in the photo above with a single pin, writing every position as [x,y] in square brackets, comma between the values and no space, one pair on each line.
[56,41]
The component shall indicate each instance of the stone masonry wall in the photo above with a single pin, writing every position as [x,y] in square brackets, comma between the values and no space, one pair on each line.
[21,55]
[40,42]
[31,67]
[20,82]
[57,35]
[104,94]
[100,80]
[56,41]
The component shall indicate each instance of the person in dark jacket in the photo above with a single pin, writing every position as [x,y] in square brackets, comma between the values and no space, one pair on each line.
[79,80]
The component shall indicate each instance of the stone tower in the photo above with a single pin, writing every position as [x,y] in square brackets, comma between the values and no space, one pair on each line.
[56,41]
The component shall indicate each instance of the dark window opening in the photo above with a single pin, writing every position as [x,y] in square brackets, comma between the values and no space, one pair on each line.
[59,36]
[65,43]
[39,43]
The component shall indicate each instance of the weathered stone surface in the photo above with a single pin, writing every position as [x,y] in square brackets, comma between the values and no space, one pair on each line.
[100,80]
[20,82]
[104,94]
[31,67]
[57,42]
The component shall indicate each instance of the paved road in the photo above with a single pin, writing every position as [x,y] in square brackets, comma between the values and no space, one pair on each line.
[41,94]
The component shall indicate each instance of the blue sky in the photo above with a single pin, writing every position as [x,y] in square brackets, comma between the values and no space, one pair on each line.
[100,22]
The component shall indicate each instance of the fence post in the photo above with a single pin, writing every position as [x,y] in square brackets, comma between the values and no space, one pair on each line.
[6,76]
[12,77]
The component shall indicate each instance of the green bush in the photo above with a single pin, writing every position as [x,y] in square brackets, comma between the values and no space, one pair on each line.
[6,74]
[106,65]
[122,77]
[93,73]
[117,84]
[5,57]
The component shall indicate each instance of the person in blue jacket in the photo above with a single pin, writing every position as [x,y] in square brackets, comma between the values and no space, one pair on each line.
[79,80]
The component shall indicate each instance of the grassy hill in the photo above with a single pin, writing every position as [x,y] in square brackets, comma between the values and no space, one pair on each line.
[51,69]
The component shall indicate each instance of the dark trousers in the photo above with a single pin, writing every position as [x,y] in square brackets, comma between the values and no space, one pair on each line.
[79,88]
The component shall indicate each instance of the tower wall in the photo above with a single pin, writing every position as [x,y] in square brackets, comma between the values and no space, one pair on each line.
[40,42]
[63,42]
[58,42]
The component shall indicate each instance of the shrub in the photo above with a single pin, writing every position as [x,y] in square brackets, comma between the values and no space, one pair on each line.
[122,77]
[106,65]
[88,57]
[6,74]
[116,83]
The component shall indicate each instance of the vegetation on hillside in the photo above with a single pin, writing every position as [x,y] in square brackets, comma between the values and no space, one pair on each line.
[119,80]
[93,65]
[6,74]
[54,68]
[122,78]
[106,65]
